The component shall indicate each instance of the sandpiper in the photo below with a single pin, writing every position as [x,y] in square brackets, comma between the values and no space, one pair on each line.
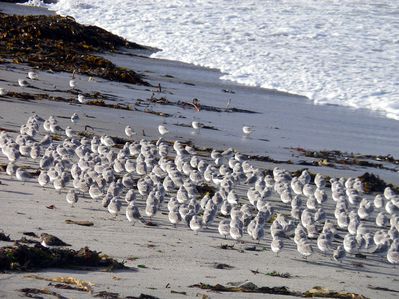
[23,83]
[48,240]
[163,130]
[247,130]
[22,175]
[75,118]
[133,213]
[71,197]
[33,75]
[129,131]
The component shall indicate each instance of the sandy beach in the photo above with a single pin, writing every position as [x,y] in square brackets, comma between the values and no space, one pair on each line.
[164,261]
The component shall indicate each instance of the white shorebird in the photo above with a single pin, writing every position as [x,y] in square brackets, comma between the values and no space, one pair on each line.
[72,83]
[43,179]
[68,132]
[379,201]
[33,75]
[75,118]
[323,243]
[3,91]
[247,130]
[224,228]
[276,245]
[196,223]
[130,196]
[133,213]
[389,193]
[304,248]
[196,126]
[11,169]
[71,197]
[23,83]
[22,175]
[95,192]
[174,216]
[163,130]
[114,206]
[81,98]
[107,141]
[339,253]
[236,229]
[129,131]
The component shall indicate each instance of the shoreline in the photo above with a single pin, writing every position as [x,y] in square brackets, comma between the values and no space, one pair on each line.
[169,262]
[150,50]
[275,67]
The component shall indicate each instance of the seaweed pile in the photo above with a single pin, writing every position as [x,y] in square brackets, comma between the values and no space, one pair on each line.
[329,157]
[194,104]
[60,44]
[249,287]
[24,258]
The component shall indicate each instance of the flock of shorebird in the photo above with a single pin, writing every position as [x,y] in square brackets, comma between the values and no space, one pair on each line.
[199,190]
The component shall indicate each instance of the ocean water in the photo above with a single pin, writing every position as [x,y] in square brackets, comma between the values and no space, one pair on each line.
[333,52]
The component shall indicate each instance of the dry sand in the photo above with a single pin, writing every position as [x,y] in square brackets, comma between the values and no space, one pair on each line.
[175,258]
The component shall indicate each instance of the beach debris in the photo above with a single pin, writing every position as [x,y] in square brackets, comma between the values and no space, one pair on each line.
[107,295]
[79,222]
[24,240]
[278,274]
[102,103]
[24,258]
[30,234]
[112,295]
[382,289]
[249,287]
[163,114]
[222,266]
[81,285]
[331,157]
[373,183]
[268,159]
[64,287]
[31,292]
[194,104]
[61,44]
[132,258]
[7,130]
[273,274]
[228,91]
[321,292]
[227,247]
[177,292]
[254,248]
[4,237]
[358,264]
[202,126]
[246,287]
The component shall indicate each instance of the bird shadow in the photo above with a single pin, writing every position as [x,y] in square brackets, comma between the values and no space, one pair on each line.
[16,192]
[87,270]
[346,266]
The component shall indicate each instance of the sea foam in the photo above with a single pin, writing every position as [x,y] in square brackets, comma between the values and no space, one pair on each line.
[333,52]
